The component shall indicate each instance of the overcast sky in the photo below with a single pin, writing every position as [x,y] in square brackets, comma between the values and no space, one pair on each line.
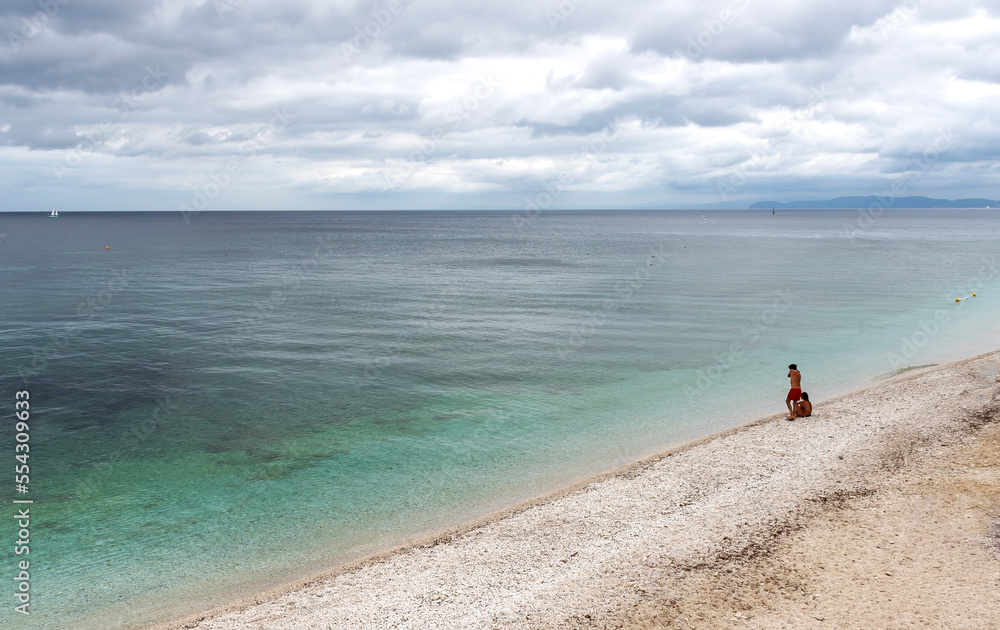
[257,104]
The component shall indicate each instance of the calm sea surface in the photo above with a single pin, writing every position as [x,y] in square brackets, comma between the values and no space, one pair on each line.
[226,404]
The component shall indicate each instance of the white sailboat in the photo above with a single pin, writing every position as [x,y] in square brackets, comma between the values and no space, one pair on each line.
[53,214]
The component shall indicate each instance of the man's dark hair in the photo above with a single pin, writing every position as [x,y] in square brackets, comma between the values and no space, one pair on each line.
[792,367]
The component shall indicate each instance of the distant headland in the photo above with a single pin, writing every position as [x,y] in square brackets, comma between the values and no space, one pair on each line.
[864,202]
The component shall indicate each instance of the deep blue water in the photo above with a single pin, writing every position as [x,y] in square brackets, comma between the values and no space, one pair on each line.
[236,401]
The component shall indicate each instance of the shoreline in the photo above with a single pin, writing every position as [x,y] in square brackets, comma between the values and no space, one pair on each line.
[456,555]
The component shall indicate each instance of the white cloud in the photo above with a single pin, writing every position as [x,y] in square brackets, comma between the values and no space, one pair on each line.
[485,103]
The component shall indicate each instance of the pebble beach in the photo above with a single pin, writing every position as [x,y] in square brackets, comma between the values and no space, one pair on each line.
[760,526]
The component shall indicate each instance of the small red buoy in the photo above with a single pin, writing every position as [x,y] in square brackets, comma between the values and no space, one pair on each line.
[107,247]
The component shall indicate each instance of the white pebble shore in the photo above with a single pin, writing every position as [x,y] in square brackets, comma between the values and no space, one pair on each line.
[547,562]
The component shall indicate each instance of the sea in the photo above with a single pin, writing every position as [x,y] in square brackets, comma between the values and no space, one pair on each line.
[222,403]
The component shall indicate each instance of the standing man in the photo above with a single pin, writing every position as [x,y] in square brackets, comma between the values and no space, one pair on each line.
[795,393]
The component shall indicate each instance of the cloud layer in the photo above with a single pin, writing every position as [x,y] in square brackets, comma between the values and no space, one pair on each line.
[421,103]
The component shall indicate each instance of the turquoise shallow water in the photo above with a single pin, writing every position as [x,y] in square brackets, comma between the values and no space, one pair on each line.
[240,400]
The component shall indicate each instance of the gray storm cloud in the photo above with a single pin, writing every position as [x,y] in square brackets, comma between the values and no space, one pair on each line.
[418,103]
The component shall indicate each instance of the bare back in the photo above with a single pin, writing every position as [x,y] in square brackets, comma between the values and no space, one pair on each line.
[796,378]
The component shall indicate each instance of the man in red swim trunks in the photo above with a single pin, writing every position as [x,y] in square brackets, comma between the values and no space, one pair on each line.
[795,393]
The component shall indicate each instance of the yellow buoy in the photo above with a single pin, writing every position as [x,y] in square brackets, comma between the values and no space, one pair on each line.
[973,295]
[958,299]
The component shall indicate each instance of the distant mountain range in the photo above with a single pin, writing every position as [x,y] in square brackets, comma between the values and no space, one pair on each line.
[864,202]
